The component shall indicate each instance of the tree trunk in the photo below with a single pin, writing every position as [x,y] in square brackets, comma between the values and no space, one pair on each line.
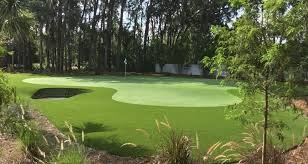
[47,43]
[24,55]
[53,61]
[265,126]
[59,39]
[146,31]
[123,5]
[100,60]
[13,62]
[79,51]
[70,58]
[41,47]
[65,58]
[92,56]
[80,34]
[29,63]
[19,54]
[109,33]
[48,58]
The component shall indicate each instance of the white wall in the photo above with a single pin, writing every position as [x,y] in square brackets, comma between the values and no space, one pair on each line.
[192,69]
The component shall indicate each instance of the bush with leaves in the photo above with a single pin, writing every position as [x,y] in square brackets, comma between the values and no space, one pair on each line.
[15,121]
[6,91]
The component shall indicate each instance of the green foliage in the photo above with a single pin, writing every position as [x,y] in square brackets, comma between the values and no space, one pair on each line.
[254,53]
[14,19]
[71,155]
[6,91]
[34,142]
[14,120]
[2,50]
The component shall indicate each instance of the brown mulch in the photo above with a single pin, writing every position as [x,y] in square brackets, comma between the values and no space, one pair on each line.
[11,151]
[45,125]
[301,103]
[298,154]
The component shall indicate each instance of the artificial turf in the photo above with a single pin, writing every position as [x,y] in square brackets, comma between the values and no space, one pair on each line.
[109,121]
[155,91]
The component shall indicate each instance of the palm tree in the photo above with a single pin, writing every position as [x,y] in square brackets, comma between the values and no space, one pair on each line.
[14,21]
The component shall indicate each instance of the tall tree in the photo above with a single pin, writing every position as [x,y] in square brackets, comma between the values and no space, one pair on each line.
[120,34]
[14,21]
[253,53]
[146,31]
[109,33]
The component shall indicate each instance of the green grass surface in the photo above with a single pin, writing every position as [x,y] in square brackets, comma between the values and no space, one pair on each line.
[109,123]
[155,91]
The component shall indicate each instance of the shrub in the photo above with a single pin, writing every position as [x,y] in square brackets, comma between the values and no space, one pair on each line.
[6,92]
[176,149]
[13,119]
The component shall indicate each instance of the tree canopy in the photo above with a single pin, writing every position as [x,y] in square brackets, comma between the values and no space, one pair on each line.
[261,51]
[97,35]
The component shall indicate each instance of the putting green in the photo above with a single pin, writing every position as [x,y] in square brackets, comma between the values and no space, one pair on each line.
[154,91]
[108,124]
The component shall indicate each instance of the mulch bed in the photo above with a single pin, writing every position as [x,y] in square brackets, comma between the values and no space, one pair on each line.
[11,151]
[298,154]
[302,104]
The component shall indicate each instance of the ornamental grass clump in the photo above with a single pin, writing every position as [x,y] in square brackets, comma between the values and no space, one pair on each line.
[176,149]
[68,150]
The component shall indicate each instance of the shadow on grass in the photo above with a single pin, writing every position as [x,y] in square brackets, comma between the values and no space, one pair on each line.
[90,127]
[112,145]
